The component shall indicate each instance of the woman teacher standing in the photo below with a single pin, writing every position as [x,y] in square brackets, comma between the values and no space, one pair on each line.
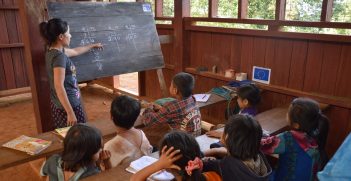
[65,96]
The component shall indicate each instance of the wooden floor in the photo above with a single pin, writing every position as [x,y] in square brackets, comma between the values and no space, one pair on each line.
[17,117]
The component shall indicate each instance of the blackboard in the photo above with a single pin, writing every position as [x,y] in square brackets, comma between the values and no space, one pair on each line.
[127,31]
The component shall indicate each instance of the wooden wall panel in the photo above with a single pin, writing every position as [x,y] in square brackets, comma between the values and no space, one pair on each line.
[152,87]
[331,57]
[270,53]
[313,66]
[343,85]
[200,48]
[13,70]
[2,75]
[11,25]
[246,54]
[3,29]
[220,52]
[8,68]
[281,64]
[167,48]
[339,120]
[259,51]
[19,68]
[297,65]
[235,55]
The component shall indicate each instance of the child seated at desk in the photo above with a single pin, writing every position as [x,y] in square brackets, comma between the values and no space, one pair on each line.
[81,157]
[179,151]
[301,150]
[182,113]
[129,143]
[242,159]
[248,96]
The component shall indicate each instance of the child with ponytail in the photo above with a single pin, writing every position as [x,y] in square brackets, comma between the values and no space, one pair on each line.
[179,151]
[301,150]
[242,159]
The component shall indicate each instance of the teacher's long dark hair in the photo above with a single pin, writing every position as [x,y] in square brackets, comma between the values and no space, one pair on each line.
[52,29]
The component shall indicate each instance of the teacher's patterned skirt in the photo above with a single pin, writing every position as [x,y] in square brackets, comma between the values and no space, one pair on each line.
[60,116]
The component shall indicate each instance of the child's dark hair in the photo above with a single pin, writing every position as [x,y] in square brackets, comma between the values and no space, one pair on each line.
[79,147]
[52,29]
[188,147]
[243,137]
[125,111]
[251,93]
[185,83]
[307,114]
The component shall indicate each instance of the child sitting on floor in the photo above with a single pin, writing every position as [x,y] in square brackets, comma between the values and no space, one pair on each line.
[301,150]
[182,113]
[248,96]
[81,157]
[129,143]
[242,159]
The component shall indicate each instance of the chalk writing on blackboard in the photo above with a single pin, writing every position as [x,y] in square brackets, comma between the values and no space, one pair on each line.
[113,36]
[89,37]
[131,34]
[127,32]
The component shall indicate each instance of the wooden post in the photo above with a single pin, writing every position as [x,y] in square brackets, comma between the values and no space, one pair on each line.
[280,10]
[212,8]
[181,9]
[158,8]
[29,64]
[327,9]
[162,82]
[242,9]
[279,14]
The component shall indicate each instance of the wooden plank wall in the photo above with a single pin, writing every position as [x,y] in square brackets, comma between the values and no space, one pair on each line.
[311,66]
[12,65]
[305,65]
[151,76]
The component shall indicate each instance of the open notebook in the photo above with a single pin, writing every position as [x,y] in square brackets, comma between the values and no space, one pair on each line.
[202,97]
[145,161]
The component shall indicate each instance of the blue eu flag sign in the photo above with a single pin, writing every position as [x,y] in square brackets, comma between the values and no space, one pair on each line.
[261,74]
[146,8]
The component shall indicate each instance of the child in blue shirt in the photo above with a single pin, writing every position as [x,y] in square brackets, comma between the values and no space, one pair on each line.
[301,150]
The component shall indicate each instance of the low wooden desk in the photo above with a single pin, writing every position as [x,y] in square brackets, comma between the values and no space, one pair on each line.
[214,99]
[120,174]
[10,157]
[274,120]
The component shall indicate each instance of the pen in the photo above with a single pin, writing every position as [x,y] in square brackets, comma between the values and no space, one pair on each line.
[204,96]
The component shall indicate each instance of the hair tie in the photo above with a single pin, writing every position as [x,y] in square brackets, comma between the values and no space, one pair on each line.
[315,132]
[193,165]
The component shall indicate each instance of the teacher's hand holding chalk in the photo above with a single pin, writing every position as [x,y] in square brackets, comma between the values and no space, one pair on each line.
[99,46]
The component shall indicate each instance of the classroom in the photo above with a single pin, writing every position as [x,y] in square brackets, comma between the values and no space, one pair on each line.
[175,89]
